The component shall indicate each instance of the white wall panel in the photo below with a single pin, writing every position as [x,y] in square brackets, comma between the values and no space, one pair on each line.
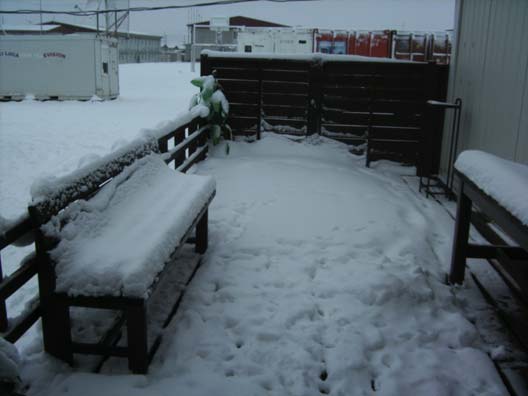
[489,73]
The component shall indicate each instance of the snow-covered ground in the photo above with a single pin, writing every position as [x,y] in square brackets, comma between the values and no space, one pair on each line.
[322,276]
[53,137]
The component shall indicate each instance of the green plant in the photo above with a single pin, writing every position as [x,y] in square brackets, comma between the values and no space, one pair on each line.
[211,104]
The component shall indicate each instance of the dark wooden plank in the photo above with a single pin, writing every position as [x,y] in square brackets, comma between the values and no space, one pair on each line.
[398,106]
[345,117]
[350,104]
[232,63]
[285,87]
[178,133]
[397,120]
[236,73]
[285,75]
[360,68]
[394,133]
[202,233]
[248,133]
[242,97]
[399,81]
[291,122]
[191,142]
[245,123]
[3,310]
[138,359]
[359,131]
[244,110]
[386,93]
[198,155]
[347,139]
[344,80]
[284,99]
[239,85]
[284,111]
[285,64]
[18,329]
[20,228]
[504,219]
[17,279]
[348,91]
[460,240]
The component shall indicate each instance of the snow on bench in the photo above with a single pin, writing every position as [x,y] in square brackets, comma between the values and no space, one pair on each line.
[505,181]
[107,234]
[499,188]
[117,242]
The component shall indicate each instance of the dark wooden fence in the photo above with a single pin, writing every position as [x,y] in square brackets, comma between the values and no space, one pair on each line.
[376,105]
[183,147]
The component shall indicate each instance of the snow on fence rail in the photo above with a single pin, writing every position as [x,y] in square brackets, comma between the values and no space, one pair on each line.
[374,103]
[183,142]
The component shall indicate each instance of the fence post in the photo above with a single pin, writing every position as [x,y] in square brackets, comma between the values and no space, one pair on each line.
[205,66]
[315,97]
[425,154]
[260,100]
[3,311]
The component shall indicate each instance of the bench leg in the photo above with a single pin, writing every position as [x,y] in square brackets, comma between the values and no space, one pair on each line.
[202,234]
[460,241]
[138,359]
[56,328]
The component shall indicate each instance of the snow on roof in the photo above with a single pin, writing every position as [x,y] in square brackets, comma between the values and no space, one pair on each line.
[305,57]
[244,21]
[503,180]
[27,28]
[94,28]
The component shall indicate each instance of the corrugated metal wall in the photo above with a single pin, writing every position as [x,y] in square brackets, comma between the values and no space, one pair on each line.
[490,73]
[139,49]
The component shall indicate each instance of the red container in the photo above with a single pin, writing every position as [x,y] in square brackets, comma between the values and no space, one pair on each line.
[362,44]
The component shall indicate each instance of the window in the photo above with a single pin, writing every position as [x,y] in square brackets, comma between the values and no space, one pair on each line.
[247,48]
[105,67]
[302,41]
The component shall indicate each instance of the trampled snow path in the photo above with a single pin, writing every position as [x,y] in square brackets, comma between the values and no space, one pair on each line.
[322,277]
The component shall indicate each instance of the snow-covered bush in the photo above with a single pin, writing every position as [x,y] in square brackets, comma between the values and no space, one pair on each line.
[211,104]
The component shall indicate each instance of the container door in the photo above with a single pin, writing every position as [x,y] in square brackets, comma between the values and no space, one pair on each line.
[105,69]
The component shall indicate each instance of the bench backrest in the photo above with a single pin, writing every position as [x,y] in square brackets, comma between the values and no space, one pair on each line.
[184,142]
[87,180]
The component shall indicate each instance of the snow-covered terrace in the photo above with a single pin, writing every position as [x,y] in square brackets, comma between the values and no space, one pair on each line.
[322,276]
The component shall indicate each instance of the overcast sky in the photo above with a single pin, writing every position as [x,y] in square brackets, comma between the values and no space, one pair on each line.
[432,15]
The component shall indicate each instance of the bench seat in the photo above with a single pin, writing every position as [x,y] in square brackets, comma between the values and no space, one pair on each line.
[498,188]
[117,242]
[504,181]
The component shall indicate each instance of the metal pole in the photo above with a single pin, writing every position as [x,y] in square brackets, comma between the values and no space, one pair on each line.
[193,50]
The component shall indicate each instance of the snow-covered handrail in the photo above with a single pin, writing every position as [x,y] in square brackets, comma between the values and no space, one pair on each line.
[51,194]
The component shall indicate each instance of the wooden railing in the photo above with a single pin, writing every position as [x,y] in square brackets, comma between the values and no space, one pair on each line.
[182,147]
[377,106]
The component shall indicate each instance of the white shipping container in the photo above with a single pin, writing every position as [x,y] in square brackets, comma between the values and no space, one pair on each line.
[76,66]
[280,41]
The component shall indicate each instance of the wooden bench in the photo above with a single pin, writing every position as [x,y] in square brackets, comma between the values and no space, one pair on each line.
[485,188]
[108,234]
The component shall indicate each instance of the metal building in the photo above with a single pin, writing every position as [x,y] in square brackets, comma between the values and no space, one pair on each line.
[489,72]
[133,47]
[74,66]
[201,33]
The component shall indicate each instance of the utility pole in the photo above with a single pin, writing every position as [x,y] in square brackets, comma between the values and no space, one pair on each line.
[107,18]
